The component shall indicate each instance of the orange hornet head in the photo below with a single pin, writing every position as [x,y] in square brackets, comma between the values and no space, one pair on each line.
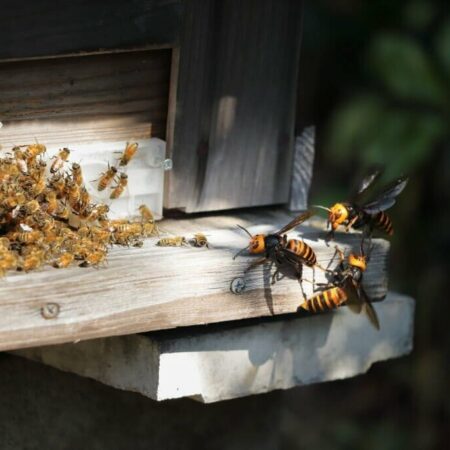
[338,214]
[358,261]
[256,244]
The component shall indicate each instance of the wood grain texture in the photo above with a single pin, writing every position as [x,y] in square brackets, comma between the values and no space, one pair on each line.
[302,169]
[265,354]
[156,288]
[91,98]
[31,28]
[235,106]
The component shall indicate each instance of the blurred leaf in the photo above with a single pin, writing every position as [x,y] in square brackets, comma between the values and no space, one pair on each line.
[368,131]
[403,141]
[405,69]
[351,127]
[442,44]
[419,14]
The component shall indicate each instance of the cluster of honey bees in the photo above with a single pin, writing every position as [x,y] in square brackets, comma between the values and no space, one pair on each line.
[38,199]
[344,282]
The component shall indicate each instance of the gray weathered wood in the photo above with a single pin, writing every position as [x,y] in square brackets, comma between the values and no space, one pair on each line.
[154,288]
[235,106]
[119,96]
[227,361]
[32,28]
[302,169]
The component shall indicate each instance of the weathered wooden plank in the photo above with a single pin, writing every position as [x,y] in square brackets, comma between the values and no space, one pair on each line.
[81,99]
[302,169]
[157,288]
[235,107]
[265,354]
[33,28]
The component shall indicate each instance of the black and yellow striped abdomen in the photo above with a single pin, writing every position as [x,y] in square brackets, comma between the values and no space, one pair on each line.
[382,221]
[325,300]
[303,250]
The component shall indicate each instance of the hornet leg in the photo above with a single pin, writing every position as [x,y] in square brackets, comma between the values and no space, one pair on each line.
[255,264]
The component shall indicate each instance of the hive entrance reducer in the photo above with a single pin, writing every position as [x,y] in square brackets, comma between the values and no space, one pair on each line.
[94,104]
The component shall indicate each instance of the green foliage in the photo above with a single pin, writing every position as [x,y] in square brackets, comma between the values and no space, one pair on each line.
[405,69]
[442,45]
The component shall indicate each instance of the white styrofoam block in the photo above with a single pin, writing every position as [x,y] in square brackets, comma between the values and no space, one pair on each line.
[218,363]
[145,173]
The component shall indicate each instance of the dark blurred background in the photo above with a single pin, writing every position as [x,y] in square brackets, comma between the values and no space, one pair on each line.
[375,80]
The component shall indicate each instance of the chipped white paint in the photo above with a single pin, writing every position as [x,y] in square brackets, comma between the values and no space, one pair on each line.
[228,361]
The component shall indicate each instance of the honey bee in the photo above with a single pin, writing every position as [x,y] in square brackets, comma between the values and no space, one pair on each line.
[4,243]
[62,211]
[8,261]
[52,202]
[128,153]
[84,231]
[121,185]
[39,178]
[31,207]
[176,241]
[32,261]
[100,235]
[27,235]
[77,174]
[106,178]
[149,226]
[11,201]
[94,258]
[73,194]
[146,214]
[97,212]
[85,199]
[149,229]
[20,160]
[34,150]
[58,184]
[59,160]
[199,240]
[128,227]
[65,260]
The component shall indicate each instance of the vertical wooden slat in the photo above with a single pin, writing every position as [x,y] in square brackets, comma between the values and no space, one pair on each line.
[235,109]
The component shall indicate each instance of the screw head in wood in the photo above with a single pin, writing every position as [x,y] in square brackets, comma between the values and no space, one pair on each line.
[237,285]
[50,310]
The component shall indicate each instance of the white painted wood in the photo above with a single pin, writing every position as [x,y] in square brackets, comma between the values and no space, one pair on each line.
[227,361]
[152,288]
[302,169]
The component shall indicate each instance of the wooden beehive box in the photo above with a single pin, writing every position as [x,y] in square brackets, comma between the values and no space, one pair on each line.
[205,77]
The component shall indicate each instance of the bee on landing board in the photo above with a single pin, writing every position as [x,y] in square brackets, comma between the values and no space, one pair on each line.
[146,214]
[367,216]
[177,241]
[120,187]
[77,174]
[34,150]
[199,240]
[149,226]
[345,287]
[106,178]
[128,153]
[289,256]
[59,160]
[65,260]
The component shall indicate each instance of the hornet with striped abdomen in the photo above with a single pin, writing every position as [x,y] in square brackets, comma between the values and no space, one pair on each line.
[288,255]
[344,288]
[367,216]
